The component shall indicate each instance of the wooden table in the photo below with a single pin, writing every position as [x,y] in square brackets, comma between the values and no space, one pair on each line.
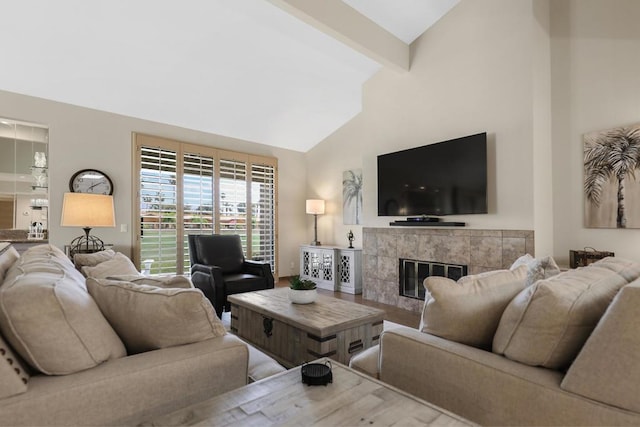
[352,399]
[298,333]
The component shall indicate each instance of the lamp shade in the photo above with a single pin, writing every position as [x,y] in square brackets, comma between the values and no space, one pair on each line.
[315,206]
[87,210]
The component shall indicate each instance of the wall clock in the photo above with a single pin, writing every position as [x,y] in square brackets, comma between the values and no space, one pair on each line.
[91,181]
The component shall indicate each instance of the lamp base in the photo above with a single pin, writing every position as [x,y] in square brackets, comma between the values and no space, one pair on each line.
[85,244]
[316,243]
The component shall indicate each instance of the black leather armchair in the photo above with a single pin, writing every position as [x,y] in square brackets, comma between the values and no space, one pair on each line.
[218,269]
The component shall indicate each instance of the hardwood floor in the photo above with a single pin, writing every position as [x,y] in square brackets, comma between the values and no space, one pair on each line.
[393,314]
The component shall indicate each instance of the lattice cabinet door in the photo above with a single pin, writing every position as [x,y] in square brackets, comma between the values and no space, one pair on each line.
[349,270]
[318,263]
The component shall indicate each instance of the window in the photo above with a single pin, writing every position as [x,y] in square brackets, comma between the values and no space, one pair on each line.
[187,189]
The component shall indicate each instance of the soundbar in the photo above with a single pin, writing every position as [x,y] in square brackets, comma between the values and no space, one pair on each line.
[427,224]
[423,219]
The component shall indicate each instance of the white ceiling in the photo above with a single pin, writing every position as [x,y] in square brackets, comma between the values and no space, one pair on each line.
[240,68]
[405,19]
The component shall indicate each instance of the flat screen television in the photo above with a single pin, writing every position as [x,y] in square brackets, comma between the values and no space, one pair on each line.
[446,178]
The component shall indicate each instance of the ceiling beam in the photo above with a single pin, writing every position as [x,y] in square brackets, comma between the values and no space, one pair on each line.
[342,22]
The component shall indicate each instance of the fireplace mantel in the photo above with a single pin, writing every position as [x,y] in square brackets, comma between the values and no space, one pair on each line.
[480,250]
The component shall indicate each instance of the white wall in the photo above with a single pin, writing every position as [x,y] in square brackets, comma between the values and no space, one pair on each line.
[536,75]
[483,67]
[595,86]
[542,141]
[81,138]
[470,73]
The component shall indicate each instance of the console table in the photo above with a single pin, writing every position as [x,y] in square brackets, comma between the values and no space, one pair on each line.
[332,267]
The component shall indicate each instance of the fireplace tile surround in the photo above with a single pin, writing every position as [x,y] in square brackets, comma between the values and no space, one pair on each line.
[480,250]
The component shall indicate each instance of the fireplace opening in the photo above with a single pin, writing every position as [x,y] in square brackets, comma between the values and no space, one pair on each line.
[413,272]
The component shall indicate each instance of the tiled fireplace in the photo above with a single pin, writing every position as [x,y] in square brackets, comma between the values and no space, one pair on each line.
[477,250]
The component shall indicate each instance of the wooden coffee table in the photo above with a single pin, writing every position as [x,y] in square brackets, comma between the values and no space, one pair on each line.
[351,399]
[298,333]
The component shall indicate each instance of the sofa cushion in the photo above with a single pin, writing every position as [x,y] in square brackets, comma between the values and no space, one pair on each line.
[367,362]
[147,317]
[91,260]
[261,366]
[132,390]
[607,368]
[49,318]
[117,265]
[13,375]
[548,322]
[468,311]
[159,281]
[538,268]
[7,258]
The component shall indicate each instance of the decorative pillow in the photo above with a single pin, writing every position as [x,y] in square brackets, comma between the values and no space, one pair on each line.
[7,258]
[49,318]
[46,249]
[158,281]
[91,260]
[118,265]
[13,376]
[548,322]
[468,311]
[539,268]
[148,317]
[607,368]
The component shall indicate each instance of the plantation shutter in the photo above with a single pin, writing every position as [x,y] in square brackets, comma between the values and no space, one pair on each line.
[198,189]
[233,199]
[263,202]
[187,189]
[158,208]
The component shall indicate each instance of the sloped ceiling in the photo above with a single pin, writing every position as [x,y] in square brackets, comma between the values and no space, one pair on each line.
[242,68]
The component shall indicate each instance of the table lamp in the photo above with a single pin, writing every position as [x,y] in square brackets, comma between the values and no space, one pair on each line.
[87,211]
[315,207]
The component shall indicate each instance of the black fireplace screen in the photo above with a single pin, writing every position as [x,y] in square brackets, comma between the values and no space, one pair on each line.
[413,273]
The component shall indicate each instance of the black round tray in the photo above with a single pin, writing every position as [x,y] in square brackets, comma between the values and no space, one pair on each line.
[316,373]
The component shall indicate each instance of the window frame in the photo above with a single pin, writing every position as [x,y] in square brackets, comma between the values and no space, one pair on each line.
[140,140]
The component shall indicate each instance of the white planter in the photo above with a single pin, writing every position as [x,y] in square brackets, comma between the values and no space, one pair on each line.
[302,296]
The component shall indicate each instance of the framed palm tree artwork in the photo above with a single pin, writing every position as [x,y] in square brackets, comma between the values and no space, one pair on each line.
[612,178]
[352,196]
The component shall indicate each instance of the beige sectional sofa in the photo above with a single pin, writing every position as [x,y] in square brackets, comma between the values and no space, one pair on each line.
[565,350]
[63,362]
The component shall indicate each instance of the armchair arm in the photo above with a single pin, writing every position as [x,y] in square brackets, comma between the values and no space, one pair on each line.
[208,278]
[259,269]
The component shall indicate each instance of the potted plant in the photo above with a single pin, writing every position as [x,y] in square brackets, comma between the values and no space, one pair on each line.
[302,291]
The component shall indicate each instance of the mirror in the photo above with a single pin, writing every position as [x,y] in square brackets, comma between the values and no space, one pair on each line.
[24,183]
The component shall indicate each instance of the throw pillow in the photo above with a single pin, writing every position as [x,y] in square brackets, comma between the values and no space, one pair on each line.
[117,265]
[607,368]
[13,376]
[49,318]
[148,317]
[91,260]
[468,311]
[159,281]
[46,249]
[7,258]
[538,268]
[547,323]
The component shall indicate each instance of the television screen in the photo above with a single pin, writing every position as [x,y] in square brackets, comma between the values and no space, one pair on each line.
[446,178]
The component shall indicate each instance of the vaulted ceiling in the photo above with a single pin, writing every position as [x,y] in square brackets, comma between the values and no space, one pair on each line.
[285,73]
